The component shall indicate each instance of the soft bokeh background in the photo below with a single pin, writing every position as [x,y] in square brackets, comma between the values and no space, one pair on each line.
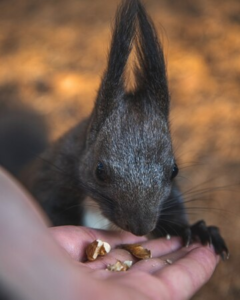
[52,55]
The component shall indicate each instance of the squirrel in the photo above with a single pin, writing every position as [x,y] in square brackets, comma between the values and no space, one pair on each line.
[120,161]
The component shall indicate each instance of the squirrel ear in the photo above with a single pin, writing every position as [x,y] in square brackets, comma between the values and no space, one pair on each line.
[150,69]
[112,85]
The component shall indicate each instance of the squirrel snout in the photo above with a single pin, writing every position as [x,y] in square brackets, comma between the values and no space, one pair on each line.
[138,227]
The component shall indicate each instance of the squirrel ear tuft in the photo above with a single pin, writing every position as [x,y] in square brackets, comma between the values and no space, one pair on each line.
[150,70]
[112,85]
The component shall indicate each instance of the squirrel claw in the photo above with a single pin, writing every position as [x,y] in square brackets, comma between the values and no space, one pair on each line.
[206,235]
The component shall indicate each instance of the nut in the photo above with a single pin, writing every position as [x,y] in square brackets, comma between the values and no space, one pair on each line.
[120,266]
[138,251]
[97,248]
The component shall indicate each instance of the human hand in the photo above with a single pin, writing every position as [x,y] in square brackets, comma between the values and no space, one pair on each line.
[152,278]
[36,267]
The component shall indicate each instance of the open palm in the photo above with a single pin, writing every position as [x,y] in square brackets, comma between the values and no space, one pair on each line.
[173,272]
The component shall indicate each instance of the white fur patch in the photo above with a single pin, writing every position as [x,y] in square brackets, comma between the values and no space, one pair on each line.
[93,217]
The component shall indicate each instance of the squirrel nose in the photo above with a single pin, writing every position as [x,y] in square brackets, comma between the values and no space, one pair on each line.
[138,228]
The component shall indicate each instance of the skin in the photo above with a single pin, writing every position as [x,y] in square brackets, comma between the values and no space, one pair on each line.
[38,262]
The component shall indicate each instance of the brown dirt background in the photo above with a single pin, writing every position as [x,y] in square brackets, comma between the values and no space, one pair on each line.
[52,55]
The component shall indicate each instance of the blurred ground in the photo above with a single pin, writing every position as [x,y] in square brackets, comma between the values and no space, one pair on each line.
[52,55]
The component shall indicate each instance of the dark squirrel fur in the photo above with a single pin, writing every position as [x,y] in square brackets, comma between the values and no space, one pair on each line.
[122,156]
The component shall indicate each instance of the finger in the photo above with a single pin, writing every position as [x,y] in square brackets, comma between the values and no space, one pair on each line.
[75,239]
[185,276]
[177,281]
[14,198]
[158,263]
[30,259]
[162,246]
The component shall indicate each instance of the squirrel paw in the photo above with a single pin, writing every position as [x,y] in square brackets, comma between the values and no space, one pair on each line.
[206,235]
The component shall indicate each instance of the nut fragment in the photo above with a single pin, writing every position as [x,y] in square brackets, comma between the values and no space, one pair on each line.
[120,266]
[97,248]
[168,237]
[169,261]
[138,251]
[106,248]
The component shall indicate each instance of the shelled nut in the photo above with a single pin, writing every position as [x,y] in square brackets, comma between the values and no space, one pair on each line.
[138,251]
[97,248]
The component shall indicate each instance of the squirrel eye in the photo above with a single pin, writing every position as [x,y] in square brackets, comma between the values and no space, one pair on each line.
[174,171]
[100,172]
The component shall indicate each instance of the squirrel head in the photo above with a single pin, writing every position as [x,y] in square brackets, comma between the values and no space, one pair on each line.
[128,163]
